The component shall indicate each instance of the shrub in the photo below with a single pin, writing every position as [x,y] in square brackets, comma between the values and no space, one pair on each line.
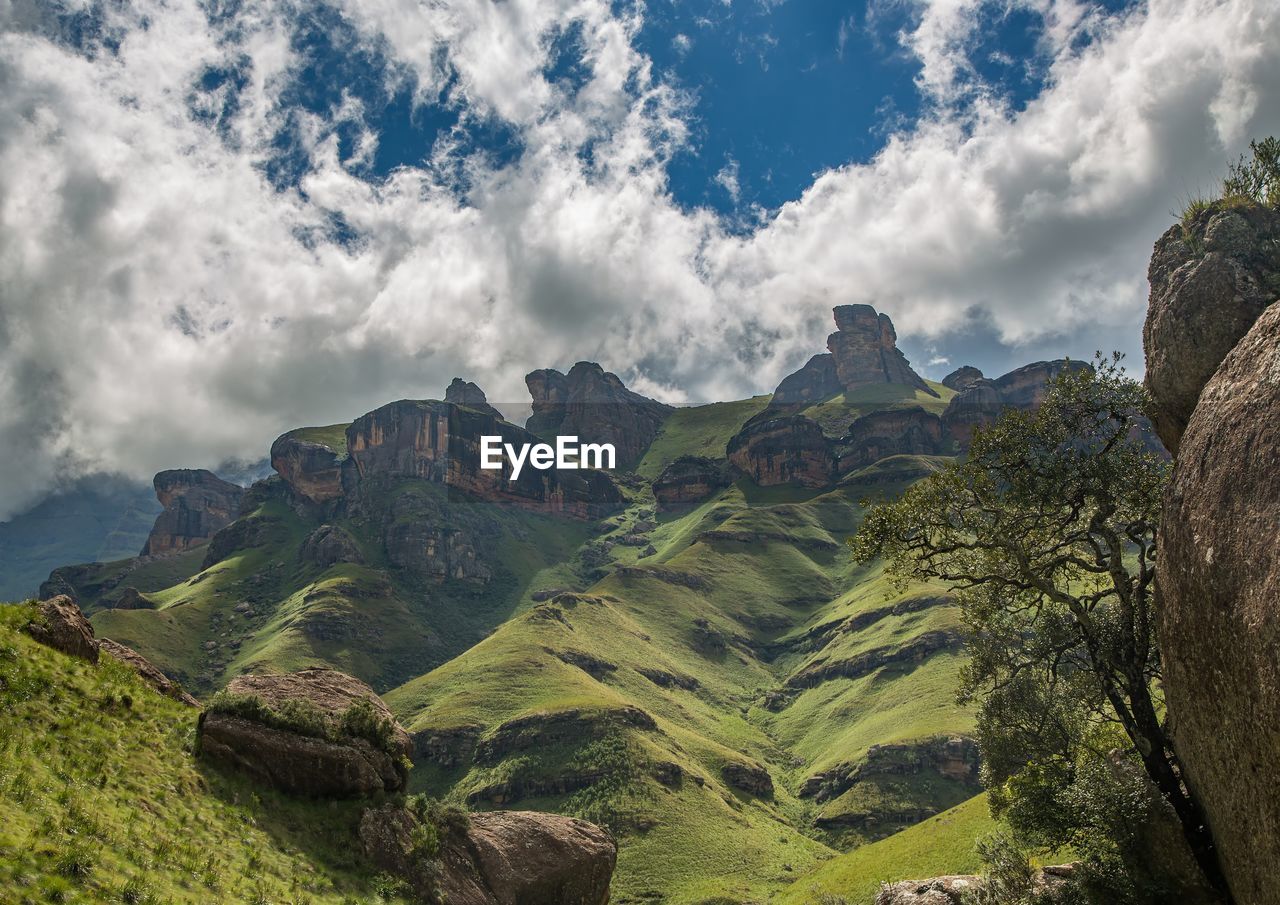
[1257,177]
[361,720]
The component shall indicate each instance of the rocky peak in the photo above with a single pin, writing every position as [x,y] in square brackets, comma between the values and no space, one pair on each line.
[197,504]
[595,406]
[962,378]
[464,392]
[312,469]
[981,402]
[816,381]
[865,350]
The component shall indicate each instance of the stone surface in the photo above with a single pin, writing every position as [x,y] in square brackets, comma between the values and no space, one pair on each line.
[816,381]
[962,377]
[146,671]
[1049,885]
[596,407]
[865,350]
[1210,279]
[302,764]
[746,777]
[783,449]
[440,442]
[689,480]
[1219,619]
[312,470]
[878,435]
[329,545]
[501,858]
[982,401]
[464,392]
[197,504]
[58,623]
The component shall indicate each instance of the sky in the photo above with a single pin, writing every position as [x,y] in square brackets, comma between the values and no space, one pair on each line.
[220,219]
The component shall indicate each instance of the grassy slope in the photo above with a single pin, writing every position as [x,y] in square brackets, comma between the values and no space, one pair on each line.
[333,436]
[702,430]
[101,799]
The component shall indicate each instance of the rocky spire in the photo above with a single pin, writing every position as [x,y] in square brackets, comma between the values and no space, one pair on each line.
[464,392]
[865,349]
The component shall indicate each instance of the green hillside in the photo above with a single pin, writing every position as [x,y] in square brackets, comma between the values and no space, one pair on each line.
[103,800]
[722,687]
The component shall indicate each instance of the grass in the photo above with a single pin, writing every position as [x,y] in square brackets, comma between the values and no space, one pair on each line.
[940,845]
[837,413]
[103,801]
[333,436]
[699,430]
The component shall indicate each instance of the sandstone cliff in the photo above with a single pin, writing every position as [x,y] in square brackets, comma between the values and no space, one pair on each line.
[464,392]
[980,401]
[595,406]
[197,504]
[865,350]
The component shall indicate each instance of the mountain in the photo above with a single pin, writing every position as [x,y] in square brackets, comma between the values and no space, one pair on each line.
[681,649]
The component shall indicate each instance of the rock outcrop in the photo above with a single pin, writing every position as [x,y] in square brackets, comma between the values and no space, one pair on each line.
[146,671]
[313,470]
[294,732]
[785,449]
[1219,619]
[329,545]
[894,432]
[1049,884]
[865,351]
[497,858]
[58,623]
[816,381]
[982,401]
[746,777]
[962,378]
[464,392]
[440,442]
[689,480]
[596,407]
[955,758]
[197,504]
[1210,279]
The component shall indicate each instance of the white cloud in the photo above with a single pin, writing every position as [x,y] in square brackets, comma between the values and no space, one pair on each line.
[160,306]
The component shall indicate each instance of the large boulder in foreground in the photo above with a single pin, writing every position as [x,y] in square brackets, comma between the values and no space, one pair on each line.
[1211,277]
[317,732]
[58,623]
[1219,619]
[1049,884]
[197,505]
[501,858]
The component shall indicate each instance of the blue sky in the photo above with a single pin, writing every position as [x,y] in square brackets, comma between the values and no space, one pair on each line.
[246,215]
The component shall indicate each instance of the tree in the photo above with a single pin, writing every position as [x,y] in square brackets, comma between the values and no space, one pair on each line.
[1046,532]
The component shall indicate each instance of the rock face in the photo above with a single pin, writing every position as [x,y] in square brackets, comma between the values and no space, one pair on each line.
[962,378]
[751,778]
[595,406]
[865,350]
[909,431]
[501,858]
[312,470]
[59,624]
[440,442]
[787,449]
[1210,279]
[146,671]
[689,480]
[197,504]
[329,545]
[1219,567]
[339,766]
[816,381]
[464,392]
[982,401]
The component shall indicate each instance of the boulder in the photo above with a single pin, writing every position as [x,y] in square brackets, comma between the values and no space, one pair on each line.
[498,858]
[313,470]
[328,546]
[1049,884]
[464,392]
[816,381]
[1210,279]
[596,407]
[751,778]
[197,504]
[689,480]
[146,671]
[962,378]
[1219,618]
[865,351]
[299,759]
[58,623]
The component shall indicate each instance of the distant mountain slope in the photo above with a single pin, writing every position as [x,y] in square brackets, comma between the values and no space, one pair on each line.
[98,518]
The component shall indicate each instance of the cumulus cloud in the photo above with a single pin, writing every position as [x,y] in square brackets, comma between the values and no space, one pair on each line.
[163,302]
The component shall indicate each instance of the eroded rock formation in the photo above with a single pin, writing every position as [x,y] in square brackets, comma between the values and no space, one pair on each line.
[982,400]
[197,504]
[312,470]
[689,480]
[783,449]
[498,858]
[464,392]
[962,377]
[595,406]
[865,351]
[58,623]
[298,759]
[816,381]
